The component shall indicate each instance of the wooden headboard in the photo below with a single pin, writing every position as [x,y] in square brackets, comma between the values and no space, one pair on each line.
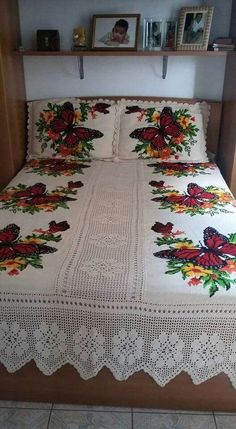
[213,128]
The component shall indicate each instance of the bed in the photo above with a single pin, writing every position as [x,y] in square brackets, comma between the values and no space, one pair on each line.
[117,273]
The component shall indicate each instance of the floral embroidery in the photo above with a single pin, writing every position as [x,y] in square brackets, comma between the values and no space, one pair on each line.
[89,344]
[197,200]
[207,351]
[60,127]
[13,339]
[55,167]
[181,169]
[35,198]
[16,253]
[127,347]
[169,134]
[210,265]
[50,340]
[167,350]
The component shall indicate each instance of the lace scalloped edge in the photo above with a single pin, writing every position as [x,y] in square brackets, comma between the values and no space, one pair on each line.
[118,375]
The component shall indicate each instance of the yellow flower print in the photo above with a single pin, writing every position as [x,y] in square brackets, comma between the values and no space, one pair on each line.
[184,245]
[226,198]
[48,116]
[77,116]
[79,148]
[47,207]
[33,240]
[183,121]
[169,172]
[13,263]
[6,196]
[151,152]
[156,117]
[195,271]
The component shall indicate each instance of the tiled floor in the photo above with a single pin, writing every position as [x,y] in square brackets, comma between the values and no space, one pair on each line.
[26,415]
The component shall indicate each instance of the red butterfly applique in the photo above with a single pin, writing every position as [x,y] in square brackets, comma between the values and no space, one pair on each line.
[10,248]
[72,133]
[195,197]
[133,109]
[176,166]
[159,136]
[31,191]
[61,164]
[156,184]
[214,254]
[101,108]
[35,195]
[162,228]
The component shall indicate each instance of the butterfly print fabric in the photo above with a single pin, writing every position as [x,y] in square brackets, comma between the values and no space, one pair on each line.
[165,134]
[209,264]
[35,198]
[16,253]
[196,200]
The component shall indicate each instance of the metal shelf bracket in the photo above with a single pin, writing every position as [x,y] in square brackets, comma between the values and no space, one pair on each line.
[164,66]
[81,66]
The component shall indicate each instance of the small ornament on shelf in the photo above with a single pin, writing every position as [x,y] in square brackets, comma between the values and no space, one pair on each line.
[79,38]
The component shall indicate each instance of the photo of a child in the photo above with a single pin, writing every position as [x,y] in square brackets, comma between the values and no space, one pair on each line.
[115,31]
[118,35]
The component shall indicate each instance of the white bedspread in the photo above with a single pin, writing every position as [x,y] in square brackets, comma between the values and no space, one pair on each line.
[105,295]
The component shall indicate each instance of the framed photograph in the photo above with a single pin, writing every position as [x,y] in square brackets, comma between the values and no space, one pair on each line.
[170,33]
[152,34]
[194,28]
[113,32]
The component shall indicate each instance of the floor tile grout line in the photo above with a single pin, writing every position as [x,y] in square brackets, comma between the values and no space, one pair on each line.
[96,410]
[132,418]
[25,408]
[192,413]
[49,417]
[214,417]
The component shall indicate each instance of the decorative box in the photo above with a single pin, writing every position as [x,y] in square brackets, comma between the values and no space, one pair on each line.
[48,40]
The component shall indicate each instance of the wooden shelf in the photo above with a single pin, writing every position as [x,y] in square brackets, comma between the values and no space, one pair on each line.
[140,53]
[118,53]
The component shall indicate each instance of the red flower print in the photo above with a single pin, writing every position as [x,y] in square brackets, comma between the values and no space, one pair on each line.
[194,282]
[14,272]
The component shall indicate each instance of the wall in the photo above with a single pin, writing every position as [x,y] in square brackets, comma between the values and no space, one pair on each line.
[56,77]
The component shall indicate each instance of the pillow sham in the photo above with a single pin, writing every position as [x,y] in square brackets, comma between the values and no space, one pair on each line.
[164,130]
[71,128]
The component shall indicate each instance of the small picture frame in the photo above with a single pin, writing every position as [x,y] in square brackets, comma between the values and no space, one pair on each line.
[115,32]
[153,34]
[170,33]
[194,28]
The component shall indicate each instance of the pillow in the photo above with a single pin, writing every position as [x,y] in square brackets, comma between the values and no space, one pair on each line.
[71,128]
[165,130]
